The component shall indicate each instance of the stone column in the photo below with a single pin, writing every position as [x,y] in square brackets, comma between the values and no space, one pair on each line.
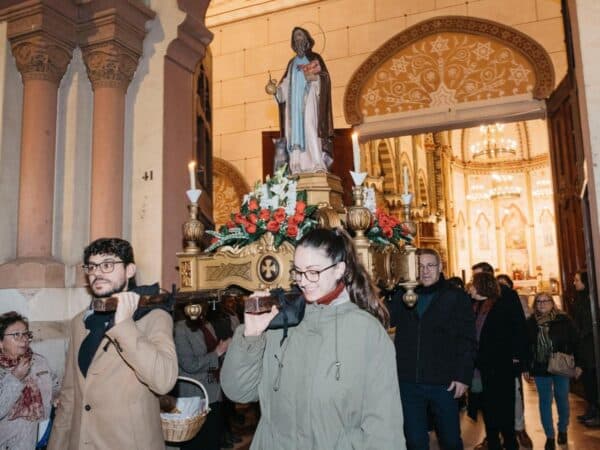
[111,36]
[110,69]
[42,63]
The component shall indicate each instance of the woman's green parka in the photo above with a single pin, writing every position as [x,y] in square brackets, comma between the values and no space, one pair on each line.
[331,385]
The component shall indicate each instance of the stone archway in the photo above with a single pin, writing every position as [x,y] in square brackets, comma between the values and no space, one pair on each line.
[448,71]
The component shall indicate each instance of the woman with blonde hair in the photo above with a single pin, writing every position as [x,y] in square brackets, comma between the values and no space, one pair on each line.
[549,331]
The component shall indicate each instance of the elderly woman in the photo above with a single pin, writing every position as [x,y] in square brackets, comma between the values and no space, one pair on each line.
[332,382]
[27,385]
[550,330]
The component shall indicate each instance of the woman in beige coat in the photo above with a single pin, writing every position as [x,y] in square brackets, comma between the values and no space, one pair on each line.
[27,385]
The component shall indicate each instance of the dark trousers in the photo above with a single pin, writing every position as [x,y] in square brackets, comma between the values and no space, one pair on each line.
[415,400]
[209,436]
[498,402]
[590,388]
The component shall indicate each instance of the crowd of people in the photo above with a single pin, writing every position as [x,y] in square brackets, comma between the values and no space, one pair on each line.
[335,380]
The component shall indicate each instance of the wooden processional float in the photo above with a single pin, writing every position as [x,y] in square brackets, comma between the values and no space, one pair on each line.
[245,256]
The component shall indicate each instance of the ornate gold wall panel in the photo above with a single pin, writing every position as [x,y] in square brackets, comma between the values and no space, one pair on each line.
[229,188]
[446,61]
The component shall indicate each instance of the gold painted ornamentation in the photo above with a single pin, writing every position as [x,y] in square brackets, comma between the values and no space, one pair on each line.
[446,61]
[185,271]
[443,70]
[223,271]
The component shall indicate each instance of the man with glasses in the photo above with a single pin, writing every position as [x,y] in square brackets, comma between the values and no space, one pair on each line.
[117,363]
[435,351]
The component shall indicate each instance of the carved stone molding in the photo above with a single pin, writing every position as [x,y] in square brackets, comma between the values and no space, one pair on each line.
[528,67]
[41,58]
[110,65]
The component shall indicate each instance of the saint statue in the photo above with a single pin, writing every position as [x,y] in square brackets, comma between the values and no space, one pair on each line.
[305,116]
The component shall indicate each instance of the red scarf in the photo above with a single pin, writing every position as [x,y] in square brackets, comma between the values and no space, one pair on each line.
[328,298]
[29,405]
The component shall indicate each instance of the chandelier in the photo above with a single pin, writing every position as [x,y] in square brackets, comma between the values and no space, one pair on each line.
[503,187]
[493,144]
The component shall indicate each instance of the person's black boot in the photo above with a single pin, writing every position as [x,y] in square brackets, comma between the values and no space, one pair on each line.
[550,444]
[590,413]
[562,438]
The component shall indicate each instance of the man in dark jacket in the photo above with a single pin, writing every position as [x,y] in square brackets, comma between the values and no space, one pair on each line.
[519,343]
[435,349]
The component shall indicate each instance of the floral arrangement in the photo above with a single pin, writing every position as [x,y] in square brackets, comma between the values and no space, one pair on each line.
[386,229]
[275,207]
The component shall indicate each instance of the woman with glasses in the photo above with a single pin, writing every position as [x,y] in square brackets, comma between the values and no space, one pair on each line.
[332,383]
[27,385]
[550,330]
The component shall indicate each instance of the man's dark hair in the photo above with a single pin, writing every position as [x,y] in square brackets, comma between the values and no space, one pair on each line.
[429,251]
[484,267]
[10,318]
[506,279]
[110,246]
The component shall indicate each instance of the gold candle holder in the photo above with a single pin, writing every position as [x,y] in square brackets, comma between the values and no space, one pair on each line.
[359,217]
[193,230]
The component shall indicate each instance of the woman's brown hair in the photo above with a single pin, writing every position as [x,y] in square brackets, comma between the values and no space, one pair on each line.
[486,285]
[338,246]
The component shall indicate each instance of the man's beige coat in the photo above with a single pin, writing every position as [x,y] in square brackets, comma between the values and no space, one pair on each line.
[116,407]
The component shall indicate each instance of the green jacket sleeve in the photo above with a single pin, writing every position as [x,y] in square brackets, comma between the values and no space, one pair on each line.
[242,368]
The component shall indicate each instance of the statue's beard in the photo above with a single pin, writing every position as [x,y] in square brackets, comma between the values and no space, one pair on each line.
[301,47]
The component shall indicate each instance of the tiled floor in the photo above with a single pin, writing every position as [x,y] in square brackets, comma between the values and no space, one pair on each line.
[580,437]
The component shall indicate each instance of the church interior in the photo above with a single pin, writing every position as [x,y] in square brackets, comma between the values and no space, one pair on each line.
[484,110]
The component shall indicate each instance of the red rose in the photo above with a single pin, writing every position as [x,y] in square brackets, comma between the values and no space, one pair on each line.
[292,230]
[273,226]
[300,207]
[298,218]
[384,222]
[279,215]
[264,214]
[252,204]
[230,224]
[251,228]
[387,231]
[253,218]
[214,240]
[238,218]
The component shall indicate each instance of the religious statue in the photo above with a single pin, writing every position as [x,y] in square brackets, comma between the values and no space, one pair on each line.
[305,115]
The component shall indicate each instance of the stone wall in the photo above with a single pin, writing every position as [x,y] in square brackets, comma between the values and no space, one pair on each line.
[245,51]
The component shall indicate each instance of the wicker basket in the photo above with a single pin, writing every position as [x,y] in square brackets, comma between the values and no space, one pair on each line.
[180,430]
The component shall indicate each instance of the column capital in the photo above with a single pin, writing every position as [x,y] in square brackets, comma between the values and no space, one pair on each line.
[110,65]
[41,58]
[42,35]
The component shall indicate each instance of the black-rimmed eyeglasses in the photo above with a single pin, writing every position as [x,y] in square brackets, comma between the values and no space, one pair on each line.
[104,266]
[20,335]
[311,275]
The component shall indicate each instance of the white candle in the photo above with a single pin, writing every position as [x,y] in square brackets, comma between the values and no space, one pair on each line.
[192,170]
[405,179]
[356,152]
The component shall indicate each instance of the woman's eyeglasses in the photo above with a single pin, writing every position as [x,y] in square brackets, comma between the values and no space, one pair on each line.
[20,335]
[544,301]
[311,276]
[104,266]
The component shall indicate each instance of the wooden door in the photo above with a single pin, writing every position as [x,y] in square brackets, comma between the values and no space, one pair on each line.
[566,153]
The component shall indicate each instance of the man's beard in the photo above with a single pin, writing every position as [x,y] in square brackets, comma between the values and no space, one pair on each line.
[112,291]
